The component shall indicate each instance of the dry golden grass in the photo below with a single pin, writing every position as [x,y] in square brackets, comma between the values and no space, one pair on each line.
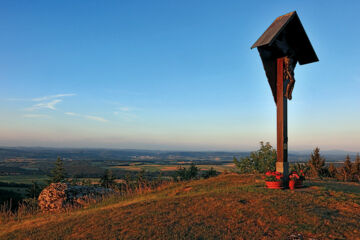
[169,168]
[225,207]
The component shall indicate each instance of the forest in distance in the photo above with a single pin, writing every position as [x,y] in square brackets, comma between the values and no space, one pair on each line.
[26,179]
[26,164]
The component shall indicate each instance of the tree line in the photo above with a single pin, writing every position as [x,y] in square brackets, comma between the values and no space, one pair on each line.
[264,160]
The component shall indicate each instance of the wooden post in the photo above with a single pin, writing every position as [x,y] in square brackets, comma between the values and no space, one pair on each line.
[282,164]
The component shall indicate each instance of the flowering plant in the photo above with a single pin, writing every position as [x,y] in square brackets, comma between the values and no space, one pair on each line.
[296,177]
[273,176]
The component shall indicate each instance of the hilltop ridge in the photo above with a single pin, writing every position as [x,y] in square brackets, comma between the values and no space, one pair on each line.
[229,206]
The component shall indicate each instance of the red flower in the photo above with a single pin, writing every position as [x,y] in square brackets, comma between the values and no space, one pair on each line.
[294,176]
[277,175]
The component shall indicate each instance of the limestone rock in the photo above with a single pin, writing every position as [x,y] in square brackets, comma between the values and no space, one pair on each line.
[60,196]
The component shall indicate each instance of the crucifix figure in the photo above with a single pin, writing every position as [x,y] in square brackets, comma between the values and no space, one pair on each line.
[289,66]
[281,47]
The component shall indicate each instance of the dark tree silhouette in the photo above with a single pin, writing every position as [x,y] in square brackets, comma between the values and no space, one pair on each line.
[316,163]
[356,168]
[107,180]
[58,173]
[33,191]
[187,174]
[210,173]
[346,170]
[332,170]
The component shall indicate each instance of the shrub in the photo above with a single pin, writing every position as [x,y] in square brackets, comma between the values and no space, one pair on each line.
[107,180]
[300,168]
[210,173]
[259,161]
[186,174]
[34,190]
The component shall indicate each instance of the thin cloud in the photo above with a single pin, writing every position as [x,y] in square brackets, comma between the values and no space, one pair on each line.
[39,99]
[53,96]
[72,114]
[96,118]
[90,117]
[45,105]
[46,102]
[126,113]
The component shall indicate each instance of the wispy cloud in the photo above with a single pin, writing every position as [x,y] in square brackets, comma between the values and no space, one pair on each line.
[35,116]
[126,113]
[90,117]
[96,118]
[44,98]
[72,114]
[45,105]
[46,102]
[53,96]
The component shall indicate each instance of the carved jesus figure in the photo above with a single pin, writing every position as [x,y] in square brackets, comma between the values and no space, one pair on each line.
[289,66]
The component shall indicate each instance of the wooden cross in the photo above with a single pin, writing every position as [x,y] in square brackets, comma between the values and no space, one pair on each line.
[281,46]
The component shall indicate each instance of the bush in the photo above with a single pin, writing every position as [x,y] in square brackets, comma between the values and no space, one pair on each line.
[34,190]
[210,173]
[186,174]
[107,180]
[260,161]
[299,167]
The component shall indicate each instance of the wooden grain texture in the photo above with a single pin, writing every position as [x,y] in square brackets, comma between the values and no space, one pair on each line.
[281,111]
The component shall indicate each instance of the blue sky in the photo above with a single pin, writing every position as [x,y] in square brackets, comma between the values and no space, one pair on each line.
[171,75]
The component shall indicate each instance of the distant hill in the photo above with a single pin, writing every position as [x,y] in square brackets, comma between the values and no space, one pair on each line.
[93,154]
[225,207]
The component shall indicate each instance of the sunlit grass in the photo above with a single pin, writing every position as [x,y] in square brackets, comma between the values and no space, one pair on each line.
[225,207]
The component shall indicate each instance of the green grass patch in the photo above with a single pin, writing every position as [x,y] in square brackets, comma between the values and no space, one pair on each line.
[27,179]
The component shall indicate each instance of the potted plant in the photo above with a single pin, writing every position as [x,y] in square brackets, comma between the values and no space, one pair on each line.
[299,183]
[295,179]
[274,180]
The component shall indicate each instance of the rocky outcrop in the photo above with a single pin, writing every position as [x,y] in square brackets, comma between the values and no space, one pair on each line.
[61,196]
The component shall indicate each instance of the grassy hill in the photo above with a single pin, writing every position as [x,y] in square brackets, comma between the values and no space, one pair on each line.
[225,207]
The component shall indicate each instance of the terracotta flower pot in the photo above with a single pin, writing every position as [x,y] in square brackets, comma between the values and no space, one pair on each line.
[292,184]
[274,185]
